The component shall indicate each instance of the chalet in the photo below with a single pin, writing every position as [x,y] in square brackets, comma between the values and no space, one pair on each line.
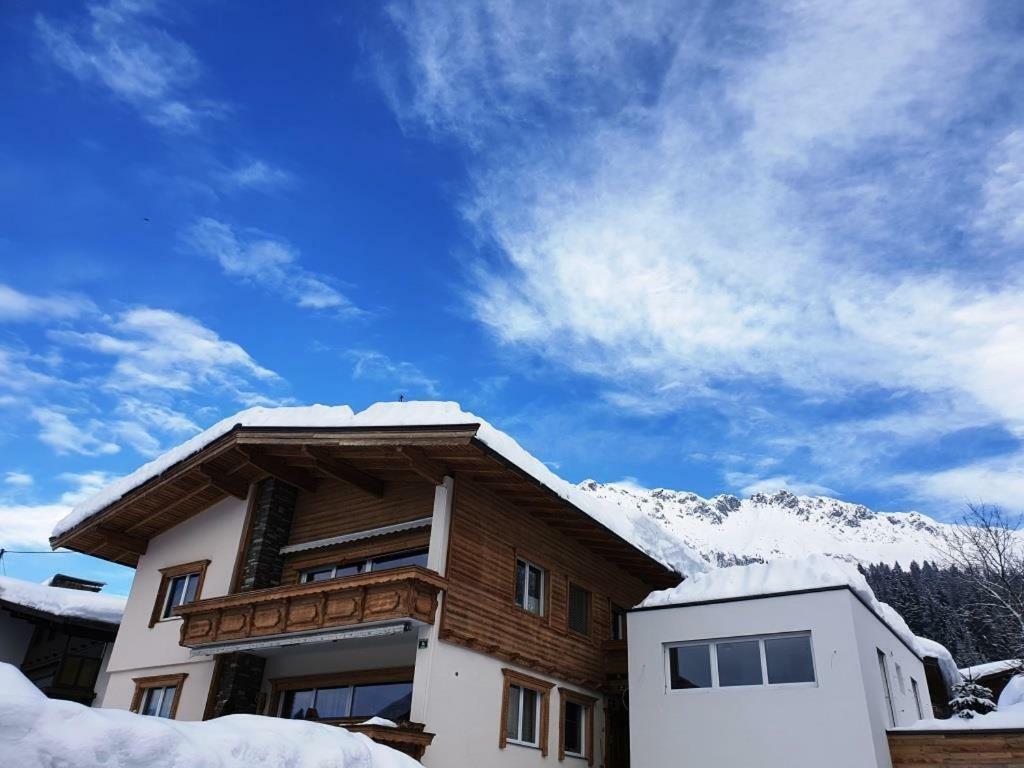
[407,571]
[59,634]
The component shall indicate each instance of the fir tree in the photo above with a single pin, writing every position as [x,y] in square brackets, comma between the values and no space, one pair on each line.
[970,698]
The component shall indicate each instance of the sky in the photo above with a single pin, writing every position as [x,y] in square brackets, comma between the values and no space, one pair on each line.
[724,247]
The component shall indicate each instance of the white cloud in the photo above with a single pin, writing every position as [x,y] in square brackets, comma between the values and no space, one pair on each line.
[18,479]
[998,481]
[1002,209]
[15,305]
[18,375]
[403,377]
[84,485]
[253,174]
[750,484]
[61,434]
[123,47]
[270,263]
[28,526]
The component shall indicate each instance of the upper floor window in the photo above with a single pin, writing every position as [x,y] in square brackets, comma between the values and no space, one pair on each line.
[579,609]
[746,661]
[179,585]
[618,623]
[529,586]
[378,563]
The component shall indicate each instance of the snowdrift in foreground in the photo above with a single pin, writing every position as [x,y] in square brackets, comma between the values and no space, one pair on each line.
[37,732]
[632,525]
[60,601]
[812,572]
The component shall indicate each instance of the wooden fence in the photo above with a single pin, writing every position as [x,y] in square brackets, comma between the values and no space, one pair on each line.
[957,749]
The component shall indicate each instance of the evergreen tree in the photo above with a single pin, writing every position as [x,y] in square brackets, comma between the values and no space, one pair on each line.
[970,698]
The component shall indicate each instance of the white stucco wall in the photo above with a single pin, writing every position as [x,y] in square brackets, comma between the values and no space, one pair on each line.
[835,722]
[15,635]
[143,651]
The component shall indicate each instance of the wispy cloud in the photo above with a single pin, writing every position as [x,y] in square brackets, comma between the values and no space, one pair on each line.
[401,376]
[58,431]
[691,203]
[18,306]
[123,46]
[18,479]
[254,174]
[83,485]
[269,262]
[25,525]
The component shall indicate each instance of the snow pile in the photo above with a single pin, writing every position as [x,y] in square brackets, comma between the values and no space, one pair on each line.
[1013,694]
[37,732]
[76,603]
[632,525]
[812,572]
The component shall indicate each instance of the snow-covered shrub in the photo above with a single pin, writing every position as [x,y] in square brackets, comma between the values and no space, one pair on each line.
[971,698]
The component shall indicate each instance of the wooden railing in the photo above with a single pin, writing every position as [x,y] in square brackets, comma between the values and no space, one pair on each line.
[409,592]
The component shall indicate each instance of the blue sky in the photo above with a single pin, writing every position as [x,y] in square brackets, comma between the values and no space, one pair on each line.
[725,247]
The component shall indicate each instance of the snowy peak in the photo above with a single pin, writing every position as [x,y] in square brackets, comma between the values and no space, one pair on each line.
[727,530]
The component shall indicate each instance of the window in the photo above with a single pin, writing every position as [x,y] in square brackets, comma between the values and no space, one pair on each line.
[576,725]
[883,670]
[360,695]
[917,698]
[157,696]
[618,623]
[899,679]
[529,587]
[524,711]
[378,563]
[179,585]
[579,609]
[747,661]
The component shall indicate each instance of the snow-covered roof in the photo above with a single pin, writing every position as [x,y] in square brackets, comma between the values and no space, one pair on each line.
[991,668]
[631,524]
[37,731]
[807,573]
[58,601]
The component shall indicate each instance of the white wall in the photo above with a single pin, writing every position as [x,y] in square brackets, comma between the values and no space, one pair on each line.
[143,651]
[15,635]
[792,727]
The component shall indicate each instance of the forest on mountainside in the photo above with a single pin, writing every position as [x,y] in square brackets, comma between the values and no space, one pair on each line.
[945,605]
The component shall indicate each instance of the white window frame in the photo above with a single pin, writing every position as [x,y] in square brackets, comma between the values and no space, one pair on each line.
[165,613]
[519,717]
[148,693]
[367,564]
[542,606]
[712,644]
[583,729]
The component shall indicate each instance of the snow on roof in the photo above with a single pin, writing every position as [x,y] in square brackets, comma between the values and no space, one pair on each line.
[990,668]
[71,603]
[36,731]
[1006,717]
[811,572]
[631,524]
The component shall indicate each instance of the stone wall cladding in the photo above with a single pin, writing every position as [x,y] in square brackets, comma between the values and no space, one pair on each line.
[237,682]
[270,529]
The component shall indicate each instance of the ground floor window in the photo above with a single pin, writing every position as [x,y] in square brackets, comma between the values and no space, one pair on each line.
[158,696]
[744,661]
[576,725]
[345,696]
[524,711]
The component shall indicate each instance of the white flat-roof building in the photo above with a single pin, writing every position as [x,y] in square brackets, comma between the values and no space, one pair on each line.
[734,669]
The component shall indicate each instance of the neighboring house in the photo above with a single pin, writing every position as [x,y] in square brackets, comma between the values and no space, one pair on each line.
[994,675]
[409,564]
[59,634]
[771,665]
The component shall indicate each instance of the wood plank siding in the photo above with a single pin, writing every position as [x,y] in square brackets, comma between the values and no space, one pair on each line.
[487,535]
[957,749]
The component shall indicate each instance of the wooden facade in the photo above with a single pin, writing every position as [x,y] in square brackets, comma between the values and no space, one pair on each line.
[957,749]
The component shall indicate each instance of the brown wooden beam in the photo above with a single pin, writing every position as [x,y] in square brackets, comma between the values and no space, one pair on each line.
[170,507]
[235,486]
[342,470]
[121,540]
[421,464]
[279,469]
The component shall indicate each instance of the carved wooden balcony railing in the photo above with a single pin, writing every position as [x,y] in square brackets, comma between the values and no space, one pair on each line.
[409,592]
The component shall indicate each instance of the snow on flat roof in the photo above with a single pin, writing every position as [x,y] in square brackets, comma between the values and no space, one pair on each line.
[631,524]
[990,668]
[779,576]
[37,731]
[71,603]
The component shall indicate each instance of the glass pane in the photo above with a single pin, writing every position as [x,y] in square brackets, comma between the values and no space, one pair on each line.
[618,624]
[69,671]
[529,716]
[416,557]
[168,699]
[573,728]
[348,570]
[520,583]
[296,703]
[175,590]
[191,585]
[151,701]
[739,663]
[512,718]
[87,673]
[690,666]
[320,574]
[534,589]
[392,701]
[579,609]
[331,702]
[789,660]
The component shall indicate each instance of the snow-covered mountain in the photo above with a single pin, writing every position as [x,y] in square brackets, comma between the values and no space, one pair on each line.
[727,530]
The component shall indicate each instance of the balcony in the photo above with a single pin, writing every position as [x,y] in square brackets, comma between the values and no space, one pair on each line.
[298,611]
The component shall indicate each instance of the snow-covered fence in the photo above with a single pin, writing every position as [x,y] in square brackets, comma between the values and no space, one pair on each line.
[957,749]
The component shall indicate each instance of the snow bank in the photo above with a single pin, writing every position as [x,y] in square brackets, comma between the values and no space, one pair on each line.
[1013,694]
[59,601]
[37,732]
[632,525]
[812,572]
